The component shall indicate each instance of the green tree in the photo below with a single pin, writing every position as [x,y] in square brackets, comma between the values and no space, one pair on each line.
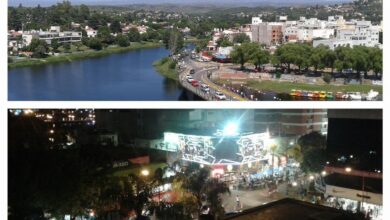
[105,36]
[302,55]
[134,35]
[286,55]
[312,140]
[314,160]
[40,50]
[241,38]
[115,27]
[55,45]
[318,58]
[259,57]
[176,42]
[122,40]
[95,43]
[224,42]
[239,55]
[66,47]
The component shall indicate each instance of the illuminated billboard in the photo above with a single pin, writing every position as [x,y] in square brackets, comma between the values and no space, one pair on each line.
[219,150]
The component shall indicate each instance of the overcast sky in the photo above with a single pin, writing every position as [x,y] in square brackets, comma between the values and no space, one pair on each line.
[217,2]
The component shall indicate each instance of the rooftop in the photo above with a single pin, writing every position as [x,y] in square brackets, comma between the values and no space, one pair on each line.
[373,185]
[286,209]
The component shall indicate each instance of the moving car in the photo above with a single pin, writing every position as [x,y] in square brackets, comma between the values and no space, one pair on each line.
[205,88]
[190,79]
[192,71]
[220,95]
[194,83]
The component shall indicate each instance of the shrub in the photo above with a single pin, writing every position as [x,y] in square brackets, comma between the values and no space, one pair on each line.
[327,78]
[172,65]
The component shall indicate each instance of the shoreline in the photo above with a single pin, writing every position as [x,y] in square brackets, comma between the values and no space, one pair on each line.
[162,67]
[82,55]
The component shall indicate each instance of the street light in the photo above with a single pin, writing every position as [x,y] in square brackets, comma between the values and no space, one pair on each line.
[229,167]
[323,173]
[145,172]
[230,129]
[294,183]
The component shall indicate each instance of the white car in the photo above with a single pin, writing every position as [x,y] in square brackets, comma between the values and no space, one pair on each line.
[204,88]
[220,96]
[190,79]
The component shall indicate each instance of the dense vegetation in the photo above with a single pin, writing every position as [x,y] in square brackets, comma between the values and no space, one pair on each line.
[359,59]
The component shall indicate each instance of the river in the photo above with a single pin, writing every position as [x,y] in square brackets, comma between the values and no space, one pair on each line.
[117,77]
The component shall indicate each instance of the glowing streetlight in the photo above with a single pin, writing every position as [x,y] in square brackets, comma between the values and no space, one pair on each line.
[348,169]
[145,172]
[294,183]
[230,129]
[323,173]
[229,167]
[311,177]
[201,165]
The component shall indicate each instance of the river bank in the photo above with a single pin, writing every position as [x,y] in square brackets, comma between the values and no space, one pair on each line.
[167,68]
[82,55]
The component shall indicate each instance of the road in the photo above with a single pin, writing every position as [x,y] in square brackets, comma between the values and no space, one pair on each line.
[201,75]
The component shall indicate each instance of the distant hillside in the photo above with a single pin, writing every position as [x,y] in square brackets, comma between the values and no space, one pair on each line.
[229,3]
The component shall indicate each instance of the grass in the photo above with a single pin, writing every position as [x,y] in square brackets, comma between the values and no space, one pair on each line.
[163,66]
[137,170]
[82,55]
[286,87]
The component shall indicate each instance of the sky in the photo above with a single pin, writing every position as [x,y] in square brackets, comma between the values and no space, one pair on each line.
[216,2]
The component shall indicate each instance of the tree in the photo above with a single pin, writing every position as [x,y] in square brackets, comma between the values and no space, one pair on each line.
[196,183]
[318,58]
[213,190]
[344,58]
[239,56]
[122,40]
[115,27]
[105,36]
[66,47]
[55,45]
[296,153]
[286,55]
[312,140]
[39,49]
[314,160]
[259,57]
[95,43]
[302,55]
[224,42]
[176,42]
[134,35]
[241,38]
[84,12]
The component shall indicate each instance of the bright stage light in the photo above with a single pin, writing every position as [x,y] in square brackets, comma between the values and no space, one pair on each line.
[231,129]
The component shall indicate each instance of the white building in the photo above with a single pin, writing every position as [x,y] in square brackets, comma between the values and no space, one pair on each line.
[90,31]
[53,33]
[256,20]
